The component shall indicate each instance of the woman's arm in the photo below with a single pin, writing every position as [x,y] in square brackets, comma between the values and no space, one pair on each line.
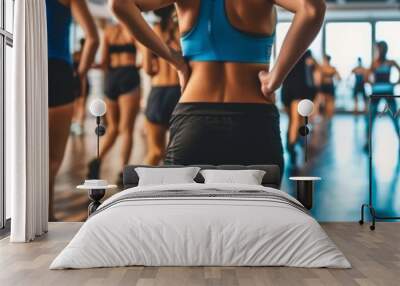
[82,15]
[150,63]
[105,53]
[308,19]
[370,72]
[396,65]
[129,13]
[337,75]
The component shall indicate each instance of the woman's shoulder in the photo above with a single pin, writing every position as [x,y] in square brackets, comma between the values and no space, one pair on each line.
[391,62]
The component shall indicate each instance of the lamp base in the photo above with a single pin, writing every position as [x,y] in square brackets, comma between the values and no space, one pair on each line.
[95,196]
[305,191]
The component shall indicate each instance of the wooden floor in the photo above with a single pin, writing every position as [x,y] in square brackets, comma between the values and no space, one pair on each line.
[375,257]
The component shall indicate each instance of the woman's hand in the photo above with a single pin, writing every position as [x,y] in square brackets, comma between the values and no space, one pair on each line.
[182,67]
[184,75]
[268,86]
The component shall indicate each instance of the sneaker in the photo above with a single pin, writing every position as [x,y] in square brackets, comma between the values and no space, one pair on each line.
[76,129]
[94,169]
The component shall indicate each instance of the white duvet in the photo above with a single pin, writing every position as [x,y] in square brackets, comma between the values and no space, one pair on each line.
[202,231]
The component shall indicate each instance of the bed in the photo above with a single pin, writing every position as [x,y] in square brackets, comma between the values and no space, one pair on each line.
[198,224]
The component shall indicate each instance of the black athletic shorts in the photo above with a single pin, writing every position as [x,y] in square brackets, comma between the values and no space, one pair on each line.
[161,103]
[121,80]
[225,133]
[291,92]
[61,83]
[327,88]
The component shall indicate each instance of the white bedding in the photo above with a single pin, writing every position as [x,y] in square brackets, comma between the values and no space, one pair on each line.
[189,231]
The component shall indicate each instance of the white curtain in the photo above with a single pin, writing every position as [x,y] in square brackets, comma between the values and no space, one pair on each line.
[27,124]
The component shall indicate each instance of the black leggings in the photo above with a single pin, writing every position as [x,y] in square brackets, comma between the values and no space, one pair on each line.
[225,133]
[121,80]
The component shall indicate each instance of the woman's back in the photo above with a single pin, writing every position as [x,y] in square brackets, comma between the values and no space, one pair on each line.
[220,78]
[121,47]
[166,73]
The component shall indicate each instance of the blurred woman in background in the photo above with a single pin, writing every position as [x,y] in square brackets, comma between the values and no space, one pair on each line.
[298,85]
[61,81]
[119,52]
[82,89]
[165,92]
[328,74]
[380,73]
[360,74]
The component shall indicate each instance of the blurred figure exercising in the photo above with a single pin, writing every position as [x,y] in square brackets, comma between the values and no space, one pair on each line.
[380,72]
[119,51]
[165,92]
[298,85]
[61,81]
[328,74]
[361,74]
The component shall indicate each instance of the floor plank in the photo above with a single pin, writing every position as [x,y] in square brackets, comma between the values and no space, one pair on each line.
[375,257]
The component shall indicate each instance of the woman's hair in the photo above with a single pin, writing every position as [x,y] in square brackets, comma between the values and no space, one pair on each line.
[382,50]
[165,15]
[327,57]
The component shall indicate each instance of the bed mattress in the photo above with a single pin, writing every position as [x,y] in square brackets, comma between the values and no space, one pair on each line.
[201,225]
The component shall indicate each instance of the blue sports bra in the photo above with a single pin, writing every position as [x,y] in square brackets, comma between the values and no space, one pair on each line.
[382,84]
[382,73]
[213,38]
[58,28]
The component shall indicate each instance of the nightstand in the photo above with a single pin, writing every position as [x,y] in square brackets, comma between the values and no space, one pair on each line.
[96,190]
[305,189]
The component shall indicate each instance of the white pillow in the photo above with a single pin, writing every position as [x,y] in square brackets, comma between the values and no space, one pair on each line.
[248,177]
[165,176]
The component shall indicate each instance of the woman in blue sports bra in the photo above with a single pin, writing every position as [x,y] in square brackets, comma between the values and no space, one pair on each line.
[60,75]
[380,71]
[226,114]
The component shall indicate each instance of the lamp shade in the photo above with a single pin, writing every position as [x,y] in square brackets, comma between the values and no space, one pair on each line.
[97,107]
[305,107]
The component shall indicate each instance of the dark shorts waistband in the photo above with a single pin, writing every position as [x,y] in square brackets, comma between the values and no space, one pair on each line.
[212,108]
[123,68]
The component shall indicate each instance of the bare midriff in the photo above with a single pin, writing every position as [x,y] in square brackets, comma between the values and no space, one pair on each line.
[166,76]
[122,60]
[224,82]
[228,81]
[117,35]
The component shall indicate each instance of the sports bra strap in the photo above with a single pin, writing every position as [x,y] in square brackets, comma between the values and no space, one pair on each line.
[214,38]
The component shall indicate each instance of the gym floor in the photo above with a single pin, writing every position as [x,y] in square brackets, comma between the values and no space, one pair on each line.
[336,154]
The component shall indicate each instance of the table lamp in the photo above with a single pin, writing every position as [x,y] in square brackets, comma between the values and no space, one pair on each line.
[305,109]
[98,108]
